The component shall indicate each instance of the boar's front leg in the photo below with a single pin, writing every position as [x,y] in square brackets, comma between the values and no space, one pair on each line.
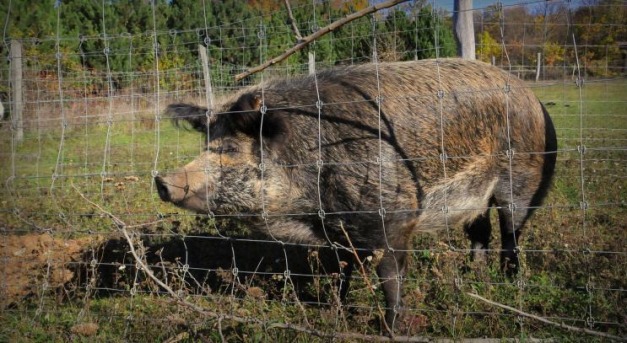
[479,232]
[391,269]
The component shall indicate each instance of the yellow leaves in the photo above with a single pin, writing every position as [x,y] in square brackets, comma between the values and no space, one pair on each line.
[488,47]
[553,53]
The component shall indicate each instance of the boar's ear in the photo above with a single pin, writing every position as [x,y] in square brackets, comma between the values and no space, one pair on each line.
[195,115]
[247,118]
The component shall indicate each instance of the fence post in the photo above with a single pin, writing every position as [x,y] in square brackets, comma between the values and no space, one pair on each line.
[312,63]
[538,66]
[16,88]
[205,68]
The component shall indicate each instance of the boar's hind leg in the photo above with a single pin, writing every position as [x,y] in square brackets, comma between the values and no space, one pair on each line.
[509,242]
[390,270]
[479,232]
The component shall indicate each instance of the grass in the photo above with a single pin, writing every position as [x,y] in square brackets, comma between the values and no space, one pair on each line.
[572,263]
[112,164]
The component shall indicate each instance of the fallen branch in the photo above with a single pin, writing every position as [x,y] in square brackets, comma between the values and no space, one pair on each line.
[323,31]
[544,320]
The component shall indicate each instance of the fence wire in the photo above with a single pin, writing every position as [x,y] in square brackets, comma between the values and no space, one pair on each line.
[89,250]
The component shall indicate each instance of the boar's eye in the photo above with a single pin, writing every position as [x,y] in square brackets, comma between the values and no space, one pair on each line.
[225,148]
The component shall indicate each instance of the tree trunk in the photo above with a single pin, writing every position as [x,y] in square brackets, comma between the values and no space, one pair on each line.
[464,29]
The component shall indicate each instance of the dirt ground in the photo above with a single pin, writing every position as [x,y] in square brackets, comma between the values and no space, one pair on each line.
[34,263]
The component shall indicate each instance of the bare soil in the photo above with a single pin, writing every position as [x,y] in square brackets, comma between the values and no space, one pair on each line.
[33,263]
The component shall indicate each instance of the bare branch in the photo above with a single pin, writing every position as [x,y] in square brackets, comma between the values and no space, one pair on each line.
[544,320]
[123,227]
[299,37]
[323,31]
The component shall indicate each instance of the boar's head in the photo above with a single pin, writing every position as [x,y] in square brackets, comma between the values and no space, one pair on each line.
[228,177]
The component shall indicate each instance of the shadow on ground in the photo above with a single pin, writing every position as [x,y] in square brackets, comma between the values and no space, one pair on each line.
[211,264]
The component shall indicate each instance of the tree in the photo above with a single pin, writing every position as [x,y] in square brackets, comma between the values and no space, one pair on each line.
[419,33]
[553,53]
[488,47]
[596,28]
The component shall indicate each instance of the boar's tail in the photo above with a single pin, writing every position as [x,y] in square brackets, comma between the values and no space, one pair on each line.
[194,115]
[550,157]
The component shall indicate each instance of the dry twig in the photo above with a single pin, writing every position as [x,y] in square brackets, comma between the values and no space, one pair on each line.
[312,37]
[544,320]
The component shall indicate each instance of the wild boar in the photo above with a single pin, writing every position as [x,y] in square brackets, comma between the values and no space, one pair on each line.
[375,152]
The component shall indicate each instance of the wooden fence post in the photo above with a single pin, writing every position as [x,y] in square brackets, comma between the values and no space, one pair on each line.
[538,66]
[312,63]
[16,90]
[205,67]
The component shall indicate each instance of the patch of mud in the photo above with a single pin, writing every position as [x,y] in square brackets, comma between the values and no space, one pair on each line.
[32,263]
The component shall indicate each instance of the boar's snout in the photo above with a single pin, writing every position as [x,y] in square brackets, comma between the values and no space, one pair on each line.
[162,189]
[188,188]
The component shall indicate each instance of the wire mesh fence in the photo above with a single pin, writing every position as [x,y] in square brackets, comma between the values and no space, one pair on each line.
[90,251]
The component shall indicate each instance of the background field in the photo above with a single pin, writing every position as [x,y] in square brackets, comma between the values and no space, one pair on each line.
[94,137]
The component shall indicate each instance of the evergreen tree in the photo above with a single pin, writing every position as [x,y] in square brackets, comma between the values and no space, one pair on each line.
[112,39]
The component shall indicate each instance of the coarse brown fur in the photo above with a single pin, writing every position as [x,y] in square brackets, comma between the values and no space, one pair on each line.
[380,150]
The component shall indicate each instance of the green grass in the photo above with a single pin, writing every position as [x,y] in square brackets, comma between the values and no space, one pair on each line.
[573,259]
[110,165]
[591,119]
[592,115]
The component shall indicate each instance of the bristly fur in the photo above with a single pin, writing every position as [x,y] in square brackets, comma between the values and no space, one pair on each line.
[384,150]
